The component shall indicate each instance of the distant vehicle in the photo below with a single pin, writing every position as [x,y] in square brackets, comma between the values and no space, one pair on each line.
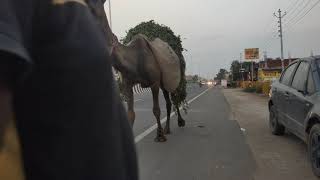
[200,84]
[209,83]
[224,83]
[295,105]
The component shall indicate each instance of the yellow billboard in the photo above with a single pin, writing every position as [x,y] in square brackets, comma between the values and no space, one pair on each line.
[251,53]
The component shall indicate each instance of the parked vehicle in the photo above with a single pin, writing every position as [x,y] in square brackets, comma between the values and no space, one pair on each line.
[295,105]
[224,83]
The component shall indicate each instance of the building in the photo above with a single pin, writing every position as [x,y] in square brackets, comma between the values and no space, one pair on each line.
[271,69]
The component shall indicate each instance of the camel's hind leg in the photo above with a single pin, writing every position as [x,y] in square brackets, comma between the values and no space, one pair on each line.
[181,121]
[131,113]
[169,106]
[156,111]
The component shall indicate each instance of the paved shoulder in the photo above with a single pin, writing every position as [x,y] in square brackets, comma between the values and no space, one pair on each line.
[277,157]
[210,147]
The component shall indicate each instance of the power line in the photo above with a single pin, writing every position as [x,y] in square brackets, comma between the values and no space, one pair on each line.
[290,7]
[297,14]
[295,10]
[304,15]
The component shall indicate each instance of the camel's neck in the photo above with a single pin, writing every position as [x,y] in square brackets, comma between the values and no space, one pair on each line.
[123,60]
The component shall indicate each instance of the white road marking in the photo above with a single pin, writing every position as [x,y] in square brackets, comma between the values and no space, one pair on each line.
[138,100]
[152,128]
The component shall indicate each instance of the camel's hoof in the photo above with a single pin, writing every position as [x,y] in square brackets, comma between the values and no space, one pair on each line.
[181,123]
[167,131]
[160,139]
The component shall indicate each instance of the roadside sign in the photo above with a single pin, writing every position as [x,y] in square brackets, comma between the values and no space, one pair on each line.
[252,53]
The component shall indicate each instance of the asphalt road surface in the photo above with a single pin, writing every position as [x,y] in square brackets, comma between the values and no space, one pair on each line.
[143,105]
[211,146]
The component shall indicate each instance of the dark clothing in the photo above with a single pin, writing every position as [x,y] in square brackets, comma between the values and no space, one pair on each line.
[70,120]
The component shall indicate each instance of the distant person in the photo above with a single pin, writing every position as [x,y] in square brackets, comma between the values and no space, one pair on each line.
[57,85]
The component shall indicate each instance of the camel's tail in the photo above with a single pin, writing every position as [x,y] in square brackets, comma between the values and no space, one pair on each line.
[179,96]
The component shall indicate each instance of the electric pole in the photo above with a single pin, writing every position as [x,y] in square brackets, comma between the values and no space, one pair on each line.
[280,16]
[265,55]
[241,67]
[110,15]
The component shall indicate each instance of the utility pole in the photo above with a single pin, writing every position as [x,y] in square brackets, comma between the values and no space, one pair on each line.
[252,64]
[265,55]
[241,67]
[280,17]
[110,15]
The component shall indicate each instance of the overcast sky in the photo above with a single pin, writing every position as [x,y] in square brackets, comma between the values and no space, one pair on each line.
[216,31]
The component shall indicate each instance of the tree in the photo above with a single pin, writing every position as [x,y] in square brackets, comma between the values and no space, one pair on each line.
[154,30]
[221,74]
[195,78]
[235,71]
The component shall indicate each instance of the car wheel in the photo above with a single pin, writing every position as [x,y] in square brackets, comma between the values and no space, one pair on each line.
[276,128]
[314,149]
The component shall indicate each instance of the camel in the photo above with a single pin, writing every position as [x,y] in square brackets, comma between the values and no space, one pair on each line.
[149,63]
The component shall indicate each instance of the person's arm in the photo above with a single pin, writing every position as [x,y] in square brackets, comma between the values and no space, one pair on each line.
[5,110]
[7,80]
[14,57]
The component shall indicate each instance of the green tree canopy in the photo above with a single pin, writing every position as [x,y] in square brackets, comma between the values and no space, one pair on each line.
[235,70]
[221,74]
[154,30]
[195,78]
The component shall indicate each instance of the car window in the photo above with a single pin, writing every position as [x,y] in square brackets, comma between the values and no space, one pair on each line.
[311,88]
[286,77]
[300,77]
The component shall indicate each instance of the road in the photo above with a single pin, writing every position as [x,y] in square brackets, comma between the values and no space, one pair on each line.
[211,146]
[143,107]
[277,157]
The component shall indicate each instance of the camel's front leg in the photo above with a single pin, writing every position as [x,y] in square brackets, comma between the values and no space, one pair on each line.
[156,111]
[131,113]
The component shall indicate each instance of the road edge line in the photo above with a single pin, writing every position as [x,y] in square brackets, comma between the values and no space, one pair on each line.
[152,128]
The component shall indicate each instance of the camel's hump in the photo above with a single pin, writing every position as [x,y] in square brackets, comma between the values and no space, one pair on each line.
[169,64]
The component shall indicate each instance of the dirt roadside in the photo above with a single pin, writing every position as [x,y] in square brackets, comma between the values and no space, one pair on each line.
[277,157]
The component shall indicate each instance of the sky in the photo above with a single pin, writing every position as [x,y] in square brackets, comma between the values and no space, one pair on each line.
[216,32]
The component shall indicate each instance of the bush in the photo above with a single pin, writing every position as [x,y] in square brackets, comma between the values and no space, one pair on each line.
[259,88]
[234,84]
[266,88]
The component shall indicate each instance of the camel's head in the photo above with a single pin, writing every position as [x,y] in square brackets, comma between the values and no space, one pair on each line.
[97,9]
